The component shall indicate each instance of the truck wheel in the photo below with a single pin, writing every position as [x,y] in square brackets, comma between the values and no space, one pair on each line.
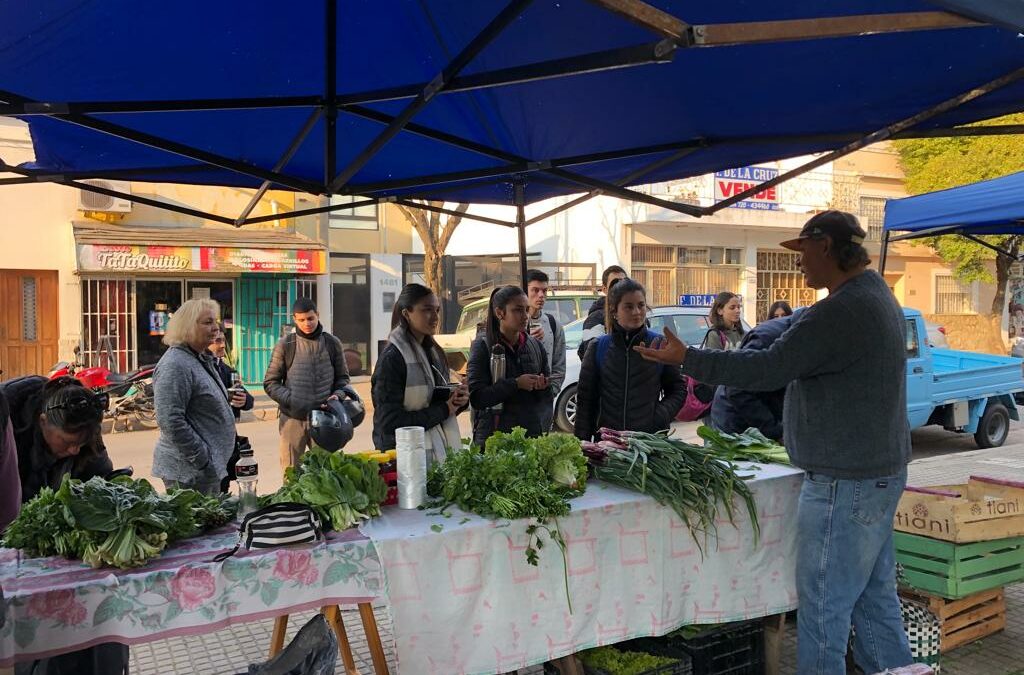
[565,412]
[994,426]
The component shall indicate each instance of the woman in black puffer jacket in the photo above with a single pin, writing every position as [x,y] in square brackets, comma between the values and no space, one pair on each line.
[522,398]
[617,388]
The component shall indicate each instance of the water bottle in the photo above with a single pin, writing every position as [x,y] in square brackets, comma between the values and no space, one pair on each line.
[247,474]
[497,370]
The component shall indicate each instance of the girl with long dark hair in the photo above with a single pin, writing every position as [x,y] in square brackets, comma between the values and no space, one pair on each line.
[522,397]
[617,388]
[725,319]
[410,385]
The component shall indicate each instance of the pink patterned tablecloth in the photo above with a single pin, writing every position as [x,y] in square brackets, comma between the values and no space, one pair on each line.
[56,605]
[467,602]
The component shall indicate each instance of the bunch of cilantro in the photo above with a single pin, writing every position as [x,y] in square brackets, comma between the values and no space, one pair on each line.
[118,523]
[344,490]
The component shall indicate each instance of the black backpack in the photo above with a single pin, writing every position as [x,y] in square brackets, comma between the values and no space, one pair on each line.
[333,350]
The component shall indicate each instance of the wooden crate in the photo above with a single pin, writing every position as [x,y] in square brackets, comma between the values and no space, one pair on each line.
[980,510]
[966,620]
[957,570]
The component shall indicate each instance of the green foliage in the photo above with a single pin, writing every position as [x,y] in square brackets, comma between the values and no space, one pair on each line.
[932,164]
[118,523]
[343,489]
[614,662]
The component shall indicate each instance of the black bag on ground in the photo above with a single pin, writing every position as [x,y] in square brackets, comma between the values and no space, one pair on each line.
[313,651]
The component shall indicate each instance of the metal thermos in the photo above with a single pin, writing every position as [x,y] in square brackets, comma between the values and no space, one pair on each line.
[497,369]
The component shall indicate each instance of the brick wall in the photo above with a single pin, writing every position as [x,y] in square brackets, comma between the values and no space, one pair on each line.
[971,332]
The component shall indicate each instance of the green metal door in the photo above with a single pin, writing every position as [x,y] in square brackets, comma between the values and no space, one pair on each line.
[264,315]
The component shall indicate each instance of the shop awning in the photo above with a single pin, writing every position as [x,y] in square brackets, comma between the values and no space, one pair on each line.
[101,233]
[486,101]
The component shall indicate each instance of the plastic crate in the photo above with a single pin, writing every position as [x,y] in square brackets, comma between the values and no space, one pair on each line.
[732,649]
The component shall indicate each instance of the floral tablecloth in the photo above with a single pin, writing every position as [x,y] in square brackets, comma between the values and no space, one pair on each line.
[56,605]
[468,602]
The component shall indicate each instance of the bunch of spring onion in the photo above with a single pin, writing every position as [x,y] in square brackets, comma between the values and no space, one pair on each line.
[684,477]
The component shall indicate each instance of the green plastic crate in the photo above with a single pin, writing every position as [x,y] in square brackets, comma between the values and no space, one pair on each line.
[957,570]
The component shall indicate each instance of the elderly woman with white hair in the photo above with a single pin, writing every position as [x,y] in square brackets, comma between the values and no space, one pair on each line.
[197,426]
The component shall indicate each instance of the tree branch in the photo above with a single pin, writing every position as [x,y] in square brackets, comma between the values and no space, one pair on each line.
[449,229]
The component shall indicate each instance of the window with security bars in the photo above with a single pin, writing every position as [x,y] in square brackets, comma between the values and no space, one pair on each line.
[29,304]
[646,254]
[108,323]
[872,216]
[779,278]
[668,271]
[952,297]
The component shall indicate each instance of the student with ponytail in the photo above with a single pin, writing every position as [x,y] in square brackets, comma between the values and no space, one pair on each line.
[522,398]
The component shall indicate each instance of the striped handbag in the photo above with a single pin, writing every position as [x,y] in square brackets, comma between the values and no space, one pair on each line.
[276,525]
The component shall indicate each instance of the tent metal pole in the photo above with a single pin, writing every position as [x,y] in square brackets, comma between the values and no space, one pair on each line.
[981,242]
[495,153]
[880,135]
[520,202]
[449,212]
[636,175]
[183,150]
[313,211]
[498,24]
[331,90]
[24,108]
[883,257]
[296,143]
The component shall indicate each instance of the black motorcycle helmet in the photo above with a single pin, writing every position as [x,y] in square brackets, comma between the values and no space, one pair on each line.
[353,406]
[330,427]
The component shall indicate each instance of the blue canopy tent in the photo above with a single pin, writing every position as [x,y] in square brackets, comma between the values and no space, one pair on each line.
[993,206]
[493,101]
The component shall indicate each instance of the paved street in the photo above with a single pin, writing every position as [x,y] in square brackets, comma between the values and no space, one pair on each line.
[939,457]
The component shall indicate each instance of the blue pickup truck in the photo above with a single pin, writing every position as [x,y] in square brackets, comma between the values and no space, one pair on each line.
[960,391]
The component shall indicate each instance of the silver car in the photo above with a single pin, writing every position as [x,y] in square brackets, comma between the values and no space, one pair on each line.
[689,323]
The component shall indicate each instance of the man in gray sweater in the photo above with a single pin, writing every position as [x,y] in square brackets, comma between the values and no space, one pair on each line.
[306,370]
[845,424]
[545,327]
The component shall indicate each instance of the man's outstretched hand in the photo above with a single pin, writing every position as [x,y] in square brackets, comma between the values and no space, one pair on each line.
[669,349]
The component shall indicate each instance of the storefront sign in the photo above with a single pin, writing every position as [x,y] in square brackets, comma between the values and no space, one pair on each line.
[734,181]
[171,259]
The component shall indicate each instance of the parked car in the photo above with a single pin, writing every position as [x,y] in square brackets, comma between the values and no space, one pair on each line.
[689,323]
[960,391]
[566,307]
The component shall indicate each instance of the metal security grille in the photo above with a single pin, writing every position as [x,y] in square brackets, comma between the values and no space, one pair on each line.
[108,323]
[951,297]
[29,306]
[872,216]
[671,271]
[779,278]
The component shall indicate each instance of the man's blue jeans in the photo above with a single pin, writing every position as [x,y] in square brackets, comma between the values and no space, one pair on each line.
[846,571]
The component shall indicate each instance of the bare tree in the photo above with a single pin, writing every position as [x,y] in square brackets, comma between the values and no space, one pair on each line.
[435,236]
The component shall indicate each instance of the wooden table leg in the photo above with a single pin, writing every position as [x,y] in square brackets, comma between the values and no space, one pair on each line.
[277,637]
[333,616]
[380,662]
[774,633]
[568,665]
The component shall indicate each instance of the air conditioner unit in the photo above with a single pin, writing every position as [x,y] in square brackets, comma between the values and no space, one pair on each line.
[95,201]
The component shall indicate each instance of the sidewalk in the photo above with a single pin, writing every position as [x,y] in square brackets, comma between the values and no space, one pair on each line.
[265,409]
[231,650]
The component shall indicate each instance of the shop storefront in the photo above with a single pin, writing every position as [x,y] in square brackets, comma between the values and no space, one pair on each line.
[129,291]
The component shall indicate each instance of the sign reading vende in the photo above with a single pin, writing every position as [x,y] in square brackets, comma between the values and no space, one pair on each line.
[734,181]
[171,259]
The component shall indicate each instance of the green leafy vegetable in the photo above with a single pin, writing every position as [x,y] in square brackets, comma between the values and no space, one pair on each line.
[118,523]
[614,662]
[344,490]
[750,446]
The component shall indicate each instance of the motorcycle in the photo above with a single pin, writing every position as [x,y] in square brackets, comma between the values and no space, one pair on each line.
[130,395]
